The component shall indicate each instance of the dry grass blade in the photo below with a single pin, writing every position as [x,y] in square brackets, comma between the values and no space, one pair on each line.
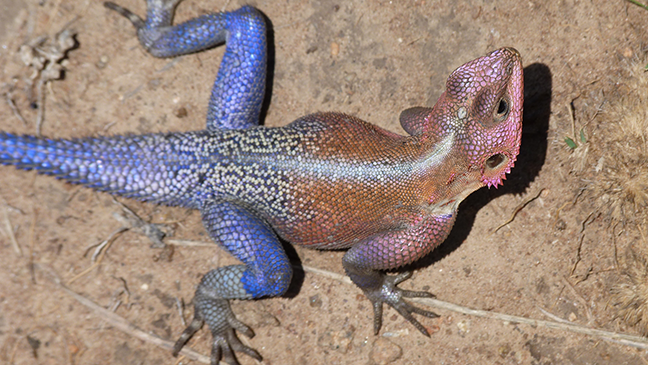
[10,232]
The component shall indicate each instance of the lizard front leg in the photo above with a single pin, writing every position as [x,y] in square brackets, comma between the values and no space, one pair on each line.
[265,272]
[365,262]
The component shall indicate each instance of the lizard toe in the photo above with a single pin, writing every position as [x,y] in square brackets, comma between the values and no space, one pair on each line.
[240,327]
[416,294]
[393,296]
[225,344]
[405,309]
[193,327]
[223,324]
[132,17]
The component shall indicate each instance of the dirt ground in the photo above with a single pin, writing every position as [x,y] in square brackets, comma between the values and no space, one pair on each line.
[557,260]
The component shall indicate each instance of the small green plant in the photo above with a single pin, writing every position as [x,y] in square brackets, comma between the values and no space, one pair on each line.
[572,144]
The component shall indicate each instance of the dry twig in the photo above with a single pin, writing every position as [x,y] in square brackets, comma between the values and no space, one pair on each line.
[519,208]
[580,242]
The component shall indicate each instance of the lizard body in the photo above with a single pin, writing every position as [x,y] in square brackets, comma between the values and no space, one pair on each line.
[327,180]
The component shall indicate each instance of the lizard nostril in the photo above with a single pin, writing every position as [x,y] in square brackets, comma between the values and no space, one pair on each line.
[495,161]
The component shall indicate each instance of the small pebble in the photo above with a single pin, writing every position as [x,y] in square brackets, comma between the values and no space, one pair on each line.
[335,49]
[385,352]
[464,327]
[315,301]
[103,61]
[181,112]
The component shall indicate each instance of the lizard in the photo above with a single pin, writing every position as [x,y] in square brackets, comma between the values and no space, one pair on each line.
[326,181]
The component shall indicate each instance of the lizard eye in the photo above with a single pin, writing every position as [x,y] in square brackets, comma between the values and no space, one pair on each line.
[502,111]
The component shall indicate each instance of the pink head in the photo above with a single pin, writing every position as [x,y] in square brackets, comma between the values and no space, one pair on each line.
[481,110]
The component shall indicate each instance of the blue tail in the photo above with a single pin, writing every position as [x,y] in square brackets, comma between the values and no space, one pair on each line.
[144,167]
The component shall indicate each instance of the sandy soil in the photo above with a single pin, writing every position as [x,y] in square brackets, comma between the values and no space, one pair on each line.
[371,59]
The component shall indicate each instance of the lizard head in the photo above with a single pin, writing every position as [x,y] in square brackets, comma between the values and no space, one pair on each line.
[481,113]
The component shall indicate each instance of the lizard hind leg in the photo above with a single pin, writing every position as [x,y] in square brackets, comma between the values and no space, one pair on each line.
[265,272]
[211,307]
[237,94]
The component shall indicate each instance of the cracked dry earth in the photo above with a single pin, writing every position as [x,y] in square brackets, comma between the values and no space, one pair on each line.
[556,260]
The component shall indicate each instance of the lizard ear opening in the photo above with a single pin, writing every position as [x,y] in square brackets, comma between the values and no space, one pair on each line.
[495,169]
[496,161]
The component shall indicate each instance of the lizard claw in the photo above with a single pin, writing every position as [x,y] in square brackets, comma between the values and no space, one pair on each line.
[223,324]
[393,296]
[224,346]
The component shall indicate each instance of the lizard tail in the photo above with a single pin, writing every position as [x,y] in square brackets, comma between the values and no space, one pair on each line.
[130,166]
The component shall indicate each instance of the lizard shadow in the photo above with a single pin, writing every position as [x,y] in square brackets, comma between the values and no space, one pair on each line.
[298,275]
[533,150]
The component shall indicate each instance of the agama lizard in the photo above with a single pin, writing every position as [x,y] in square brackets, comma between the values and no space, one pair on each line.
[327,180]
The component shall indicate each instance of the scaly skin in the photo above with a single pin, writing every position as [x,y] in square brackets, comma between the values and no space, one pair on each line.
[327,180]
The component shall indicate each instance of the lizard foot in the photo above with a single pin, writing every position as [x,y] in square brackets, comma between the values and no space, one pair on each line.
[134,18]
[222,323]
[162,8]
[393,296]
